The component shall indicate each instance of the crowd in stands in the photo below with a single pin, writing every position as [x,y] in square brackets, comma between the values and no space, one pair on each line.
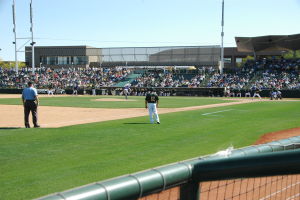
[62,78]
[275,73]
[259,74]
[167,79]
[235,80]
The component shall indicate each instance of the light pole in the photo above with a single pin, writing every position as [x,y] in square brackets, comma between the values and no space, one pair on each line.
[222,40]
[32,42]
[15,35]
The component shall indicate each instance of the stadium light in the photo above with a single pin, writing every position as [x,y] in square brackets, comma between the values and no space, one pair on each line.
[15,35]
[222,40]
[32,42]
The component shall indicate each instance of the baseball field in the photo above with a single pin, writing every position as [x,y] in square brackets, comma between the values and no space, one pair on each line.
[85,139]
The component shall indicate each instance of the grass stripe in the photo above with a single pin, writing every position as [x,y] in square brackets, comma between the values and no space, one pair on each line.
[36,162]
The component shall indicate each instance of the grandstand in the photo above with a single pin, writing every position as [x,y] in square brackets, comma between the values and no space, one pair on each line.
[191,71]
[100,145]
[264,74]
[62,67]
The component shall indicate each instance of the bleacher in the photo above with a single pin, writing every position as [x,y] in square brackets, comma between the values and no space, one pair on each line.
[262,74]
[127,80]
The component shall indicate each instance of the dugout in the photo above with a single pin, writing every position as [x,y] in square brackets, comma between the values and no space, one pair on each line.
[203,92]
[182,91]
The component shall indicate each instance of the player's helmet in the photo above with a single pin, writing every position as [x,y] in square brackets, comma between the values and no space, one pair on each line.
[151,89]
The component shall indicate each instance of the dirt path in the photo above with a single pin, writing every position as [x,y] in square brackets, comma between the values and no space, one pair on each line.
[50,116]
[279,135]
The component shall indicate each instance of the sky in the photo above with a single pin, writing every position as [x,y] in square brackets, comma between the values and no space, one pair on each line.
[143,23]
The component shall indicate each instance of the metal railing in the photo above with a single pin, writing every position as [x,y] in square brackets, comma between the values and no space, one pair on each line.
[274,158]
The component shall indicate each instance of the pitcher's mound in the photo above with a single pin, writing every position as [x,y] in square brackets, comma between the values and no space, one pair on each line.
[113,99]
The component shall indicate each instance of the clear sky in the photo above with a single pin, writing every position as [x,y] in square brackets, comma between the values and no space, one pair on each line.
[130,23]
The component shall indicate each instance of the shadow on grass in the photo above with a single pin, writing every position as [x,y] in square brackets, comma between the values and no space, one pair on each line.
[138,123]
[9,128]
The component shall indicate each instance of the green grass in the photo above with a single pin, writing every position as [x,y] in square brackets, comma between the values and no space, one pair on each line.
[139,102]
[36,162]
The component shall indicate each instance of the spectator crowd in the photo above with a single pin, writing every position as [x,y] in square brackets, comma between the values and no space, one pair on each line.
[259,74]
[168,79]
[62,78]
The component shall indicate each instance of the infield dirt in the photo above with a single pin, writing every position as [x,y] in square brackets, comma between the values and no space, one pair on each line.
[53,117]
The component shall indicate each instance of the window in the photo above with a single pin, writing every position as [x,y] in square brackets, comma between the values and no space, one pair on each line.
[238,60]
[64,60]
[227,60]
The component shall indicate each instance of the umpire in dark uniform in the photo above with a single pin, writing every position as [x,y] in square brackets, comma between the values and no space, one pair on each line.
[30,102]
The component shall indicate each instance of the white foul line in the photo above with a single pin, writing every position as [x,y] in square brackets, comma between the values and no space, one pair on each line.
[278,191]
[217,112]
[293,197]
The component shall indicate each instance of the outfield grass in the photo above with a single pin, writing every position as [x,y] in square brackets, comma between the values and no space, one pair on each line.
[138,102]
[36,162]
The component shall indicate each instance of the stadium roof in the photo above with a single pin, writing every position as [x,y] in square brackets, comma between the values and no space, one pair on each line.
[268,43]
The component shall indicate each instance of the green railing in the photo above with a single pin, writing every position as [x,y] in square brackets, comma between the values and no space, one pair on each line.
[274,158]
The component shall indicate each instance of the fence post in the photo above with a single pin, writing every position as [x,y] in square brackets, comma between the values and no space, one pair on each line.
[190,191]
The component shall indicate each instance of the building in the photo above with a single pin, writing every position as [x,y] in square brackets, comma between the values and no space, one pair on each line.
[82,56]
[62,55]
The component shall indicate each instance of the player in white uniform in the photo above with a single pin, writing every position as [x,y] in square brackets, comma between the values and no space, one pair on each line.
[50,91]
[151,102]
[256,93]
[247,94]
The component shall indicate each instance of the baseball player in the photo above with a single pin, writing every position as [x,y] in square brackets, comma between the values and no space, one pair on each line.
[75,89]
[279,94]
[247,94]
[273,94]
[239,93]
[126,91]
[256,93]
[93,90]
[50,90]
[151,102]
